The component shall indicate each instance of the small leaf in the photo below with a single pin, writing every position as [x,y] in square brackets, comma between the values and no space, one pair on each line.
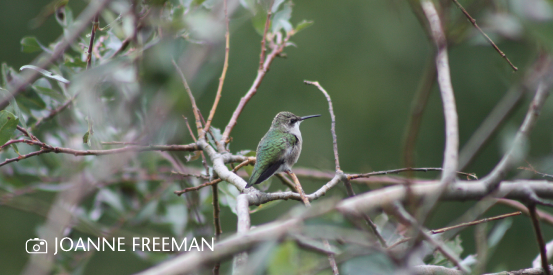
[30,44]
[302,25]
[46,73]
[8,124]
[276,5]
[86,140]
[281,19]
[13,106]
[14,147]
[258,22]
[249,5]
[49,92]
[75,63]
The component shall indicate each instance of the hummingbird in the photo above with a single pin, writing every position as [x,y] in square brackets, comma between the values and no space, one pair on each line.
[279,149]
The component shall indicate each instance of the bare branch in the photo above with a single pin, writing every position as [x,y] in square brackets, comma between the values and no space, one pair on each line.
[253,89]
[243,213]
[448,98]
[45,148]
[450,255]
[396,171]
[417,108]
[441,230]
[333,122]
[95,24]
[265,31]
[192,100]
[473,190]
[490,125]
[509,160]
[223,74]
[539,237]
[473,21]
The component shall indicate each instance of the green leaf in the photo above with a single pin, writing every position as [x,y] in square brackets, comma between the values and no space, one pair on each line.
[14,147]
[30,44]
[31,100]
[302,25]
[46,73]
[276,5]
[13,107]
[249,5]
[49,92]
[285,259]
[8,124]
[258,21]
[75,63]
[86,139]
[281,19]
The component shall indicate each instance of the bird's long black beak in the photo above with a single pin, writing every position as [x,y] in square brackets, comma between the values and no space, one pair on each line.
[306,117]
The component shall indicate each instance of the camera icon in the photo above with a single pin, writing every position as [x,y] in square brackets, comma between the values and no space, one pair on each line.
[36,246]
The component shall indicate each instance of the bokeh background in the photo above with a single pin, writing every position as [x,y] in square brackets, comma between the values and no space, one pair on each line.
[370,56]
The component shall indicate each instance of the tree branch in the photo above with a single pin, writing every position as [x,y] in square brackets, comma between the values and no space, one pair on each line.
[253,89]
[223,74]
[473,21]
[493,179]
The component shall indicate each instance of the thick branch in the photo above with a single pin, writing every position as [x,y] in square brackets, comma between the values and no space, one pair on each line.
[448,98]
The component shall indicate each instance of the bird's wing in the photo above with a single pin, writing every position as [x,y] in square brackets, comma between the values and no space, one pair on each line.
[270,156]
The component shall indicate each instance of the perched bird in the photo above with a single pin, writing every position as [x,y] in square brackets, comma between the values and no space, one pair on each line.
[279,149]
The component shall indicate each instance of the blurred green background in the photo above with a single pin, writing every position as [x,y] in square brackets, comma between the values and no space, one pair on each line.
[370,57]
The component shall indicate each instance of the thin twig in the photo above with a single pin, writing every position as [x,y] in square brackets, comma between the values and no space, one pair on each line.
[418,105]
[26,133]
[192,100]
[539,237]
[402,214]
[216,222]
[333,122]
[299,189]
[215,181]
[194,188]
[253,89]
[506,106]
[45,148]
[493,178]
[95,23]
[223,74]
[119,143]
[533,170]
[55,111]
[441,230]
[200,176]
[396,171]
[473,21]
[265,31]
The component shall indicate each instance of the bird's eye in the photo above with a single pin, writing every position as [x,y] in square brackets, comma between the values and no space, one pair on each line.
[292,121]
